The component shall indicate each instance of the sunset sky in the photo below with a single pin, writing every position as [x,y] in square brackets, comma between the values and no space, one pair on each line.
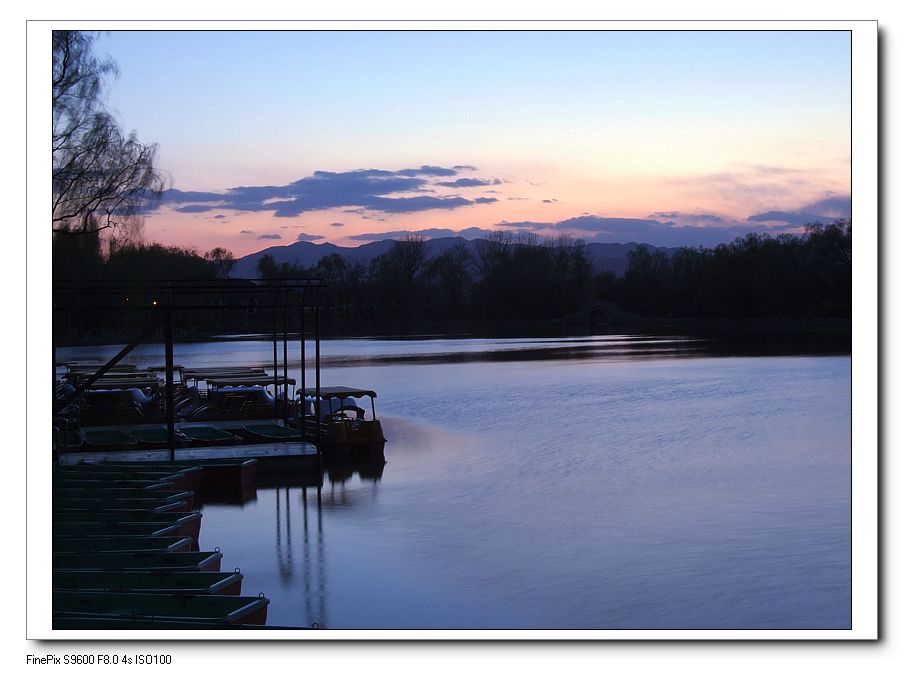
[672,138]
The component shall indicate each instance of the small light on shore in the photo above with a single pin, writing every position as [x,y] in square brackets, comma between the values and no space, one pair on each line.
[154,303]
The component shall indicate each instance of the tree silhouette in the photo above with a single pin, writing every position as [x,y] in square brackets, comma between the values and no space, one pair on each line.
[222,261]
[102,177]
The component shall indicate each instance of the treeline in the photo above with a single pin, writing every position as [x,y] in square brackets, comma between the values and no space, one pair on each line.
[81,258]
[504,277]
[510,277]
[756,276]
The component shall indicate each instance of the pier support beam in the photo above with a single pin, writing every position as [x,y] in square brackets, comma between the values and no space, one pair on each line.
[170,391]
[317,377]
[304,406]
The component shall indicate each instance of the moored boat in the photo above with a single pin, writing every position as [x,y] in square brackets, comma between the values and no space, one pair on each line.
[66,545]
[187,523]
[340,424]
[108,529]
[215,472]
[125,623]
[269,432]
[173,561]
[211,609]
[177,481]
[184,476]
[68,504]
[105,486]
[102,493]
[183,583]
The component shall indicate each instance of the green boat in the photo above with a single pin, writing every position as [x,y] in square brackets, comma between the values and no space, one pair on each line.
[108,439]
[204,435]
[188,475]
[217,472]
[124,623]
[108,529]
[177,480]
[101,493]
[174,561]
[210,609]
[120,544]
[154,437]
[61,483]
[66,504]
[266,432]
[117,516]
[176,582]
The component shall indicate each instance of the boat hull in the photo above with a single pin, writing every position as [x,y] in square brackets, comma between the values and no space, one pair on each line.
[210,609]
[178,561]
[181,583]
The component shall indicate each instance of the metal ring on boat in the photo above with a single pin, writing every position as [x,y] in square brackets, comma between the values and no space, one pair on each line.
[260,596]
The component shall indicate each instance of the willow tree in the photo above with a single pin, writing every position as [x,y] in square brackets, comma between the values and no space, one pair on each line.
[103,178]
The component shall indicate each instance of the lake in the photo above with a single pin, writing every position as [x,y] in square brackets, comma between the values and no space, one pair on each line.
[599,482]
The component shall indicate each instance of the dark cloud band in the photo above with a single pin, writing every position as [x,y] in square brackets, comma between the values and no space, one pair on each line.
[371,189]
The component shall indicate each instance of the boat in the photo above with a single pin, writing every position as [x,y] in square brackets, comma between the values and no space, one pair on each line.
[66,545]
[125,623]
[340,423]
[217,472]
[172,561]
[106,439]
[156,437]
[210,609]
[106,485]
[118,498]
[206,435]
[177,582]
[103,492]
[108,529]
[187,523]
[68,504]
[269,432]
[177,480]
[183,476]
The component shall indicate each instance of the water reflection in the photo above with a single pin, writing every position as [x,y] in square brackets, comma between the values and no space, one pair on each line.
[313,567]
[300,560]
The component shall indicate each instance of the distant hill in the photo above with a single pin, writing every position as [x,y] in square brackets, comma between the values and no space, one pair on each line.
[605,256]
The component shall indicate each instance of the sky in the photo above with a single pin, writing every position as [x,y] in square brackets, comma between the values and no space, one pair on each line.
[666,137]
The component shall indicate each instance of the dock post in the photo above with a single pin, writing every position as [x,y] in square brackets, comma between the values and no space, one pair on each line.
[304,406]
[317,376]
[285,358]
[170,392]
[275,364]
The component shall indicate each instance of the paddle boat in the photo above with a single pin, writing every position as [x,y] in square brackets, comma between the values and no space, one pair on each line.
[341,425]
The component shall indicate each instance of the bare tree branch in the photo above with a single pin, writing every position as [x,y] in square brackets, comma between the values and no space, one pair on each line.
[103,179]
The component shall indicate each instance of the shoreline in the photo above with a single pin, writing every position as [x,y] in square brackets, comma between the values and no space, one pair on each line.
[837,332]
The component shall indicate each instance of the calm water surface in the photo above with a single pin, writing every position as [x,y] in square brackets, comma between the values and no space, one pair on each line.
[602,482]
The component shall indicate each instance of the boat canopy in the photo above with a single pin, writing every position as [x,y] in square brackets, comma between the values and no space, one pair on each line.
[248,381]
[340,392]
[214,371]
